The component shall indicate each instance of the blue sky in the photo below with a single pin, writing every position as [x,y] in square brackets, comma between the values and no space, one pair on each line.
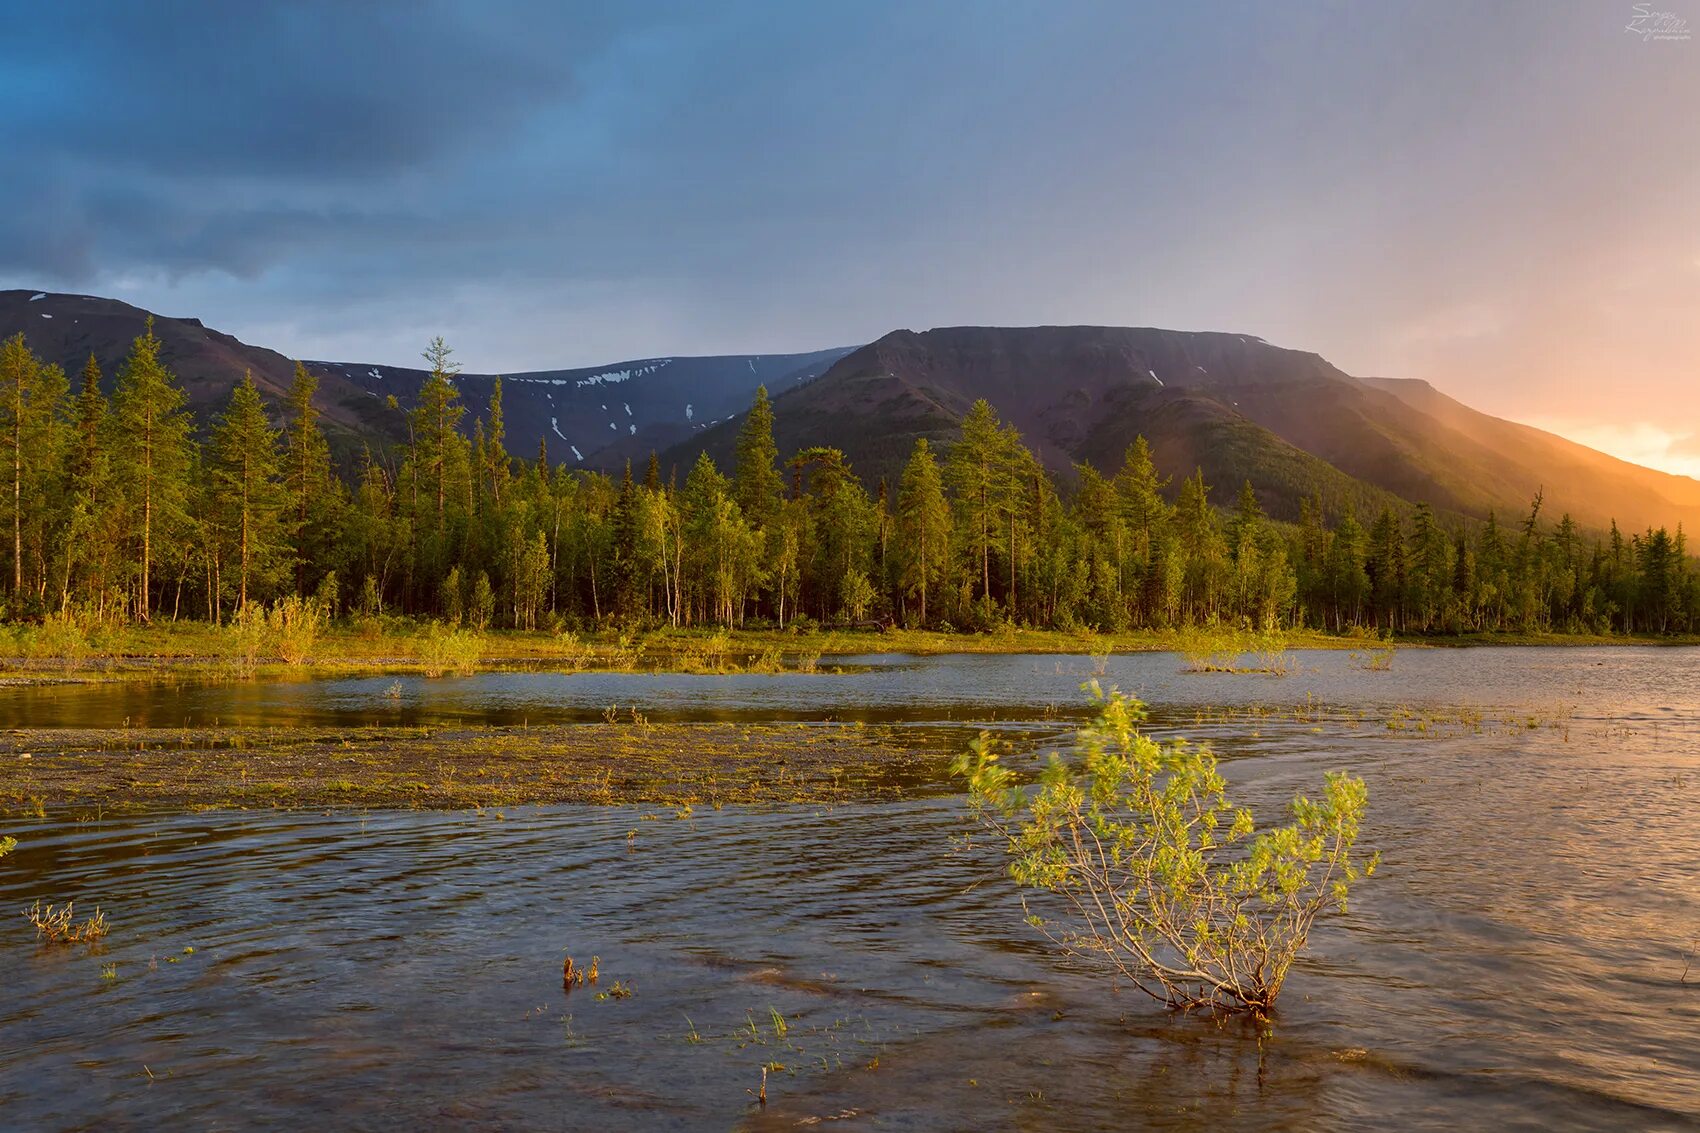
[1500,198]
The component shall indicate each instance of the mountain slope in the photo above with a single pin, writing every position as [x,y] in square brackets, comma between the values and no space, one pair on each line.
[627,408]
[1230,404]
[66,329]
[597,416]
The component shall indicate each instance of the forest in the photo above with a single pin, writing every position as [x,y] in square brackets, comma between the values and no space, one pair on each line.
[126,509]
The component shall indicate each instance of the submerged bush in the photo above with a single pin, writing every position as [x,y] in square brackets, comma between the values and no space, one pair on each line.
[441,649]
[1157,873]
[1223,649]
[293,626]
[64,636]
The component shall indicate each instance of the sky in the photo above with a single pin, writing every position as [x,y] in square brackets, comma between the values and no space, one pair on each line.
[1502,198]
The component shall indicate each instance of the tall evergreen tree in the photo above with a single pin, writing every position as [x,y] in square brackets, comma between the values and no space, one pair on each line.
[971,471]
[756,483]
[251,503]
[922,543]
[311,486]
[153,454]
[32,409]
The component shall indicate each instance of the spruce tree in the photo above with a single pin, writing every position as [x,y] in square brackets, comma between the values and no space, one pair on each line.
[499,466]
[152,455]
[88,535]
[971,470]
[32,408]
[311,486]
[756,483]
[922,544]
[251,499]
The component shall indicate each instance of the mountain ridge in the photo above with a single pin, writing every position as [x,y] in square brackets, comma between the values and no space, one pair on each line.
[1233,405]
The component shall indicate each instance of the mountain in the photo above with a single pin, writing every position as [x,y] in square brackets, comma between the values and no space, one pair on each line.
[599,416]
[1233,405]
[66,329]
[604,413]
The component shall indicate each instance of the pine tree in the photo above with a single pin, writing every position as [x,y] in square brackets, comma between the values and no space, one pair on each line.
[498,466]
[152,457]
[436,420]
[971,471]
[32,408]
[88,533]
[756,483]
[251,500]
[922,544]
[313,490]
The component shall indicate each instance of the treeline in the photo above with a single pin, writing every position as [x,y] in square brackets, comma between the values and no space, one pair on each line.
[120,509]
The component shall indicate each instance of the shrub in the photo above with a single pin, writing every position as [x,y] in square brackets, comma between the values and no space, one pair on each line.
[441,649]
[482,608]
[245,637]
[1221,649]
[64,636]
[293,626]
[1157,873]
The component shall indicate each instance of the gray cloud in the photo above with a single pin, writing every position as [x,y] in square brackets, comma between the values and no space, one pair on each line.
[1498,199]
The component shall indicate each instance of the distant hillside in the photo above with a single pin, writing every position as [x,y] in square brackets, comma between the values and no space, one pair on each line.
[66,329]
[587,414]
[598,416]
[1233,405]
[1230,404]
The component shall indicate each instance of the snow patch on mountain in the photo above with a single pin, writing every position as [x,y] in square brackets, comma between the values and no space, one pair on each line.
[38,295]
[613,377]
[1154,376]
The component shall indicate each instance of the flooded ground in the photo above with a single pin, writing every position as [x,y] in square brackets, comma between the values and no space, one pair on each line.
[1518,963]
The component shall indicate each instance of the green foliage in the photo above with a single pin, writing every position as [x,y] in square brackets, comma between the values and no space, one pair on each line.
[1148,867]
[153,458]
[115,511]
[441,650]
[7,845]
[293,626]
[65,636]
[247,509]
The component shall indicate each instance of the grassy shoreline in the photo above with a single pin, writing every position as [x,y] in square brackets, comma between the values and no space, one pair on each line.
[681,766]
[199,651]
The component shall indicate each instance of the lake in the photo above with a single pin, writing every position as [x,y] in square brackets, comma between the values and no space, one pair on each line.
[1518,962]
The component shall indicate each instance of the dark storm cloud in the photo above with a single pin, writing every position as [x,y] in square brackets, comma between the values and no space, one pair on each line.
[1499,198]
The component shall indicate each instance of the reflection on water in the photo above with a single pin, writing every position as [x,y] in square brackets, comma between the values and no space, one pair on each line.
[1632,682]
[1518,962]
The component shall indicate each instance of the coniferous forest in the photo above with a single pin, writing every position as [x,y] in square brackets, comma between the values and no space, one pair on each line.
[122,508]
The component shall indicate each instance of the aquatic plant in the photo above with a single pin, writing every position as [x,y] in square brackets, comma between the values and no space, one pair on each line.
[574,976]
[57,924]
[441,649]
[616,990]
[7,845]
[65,636]
[1157,873]
[1220,649]
[293,626]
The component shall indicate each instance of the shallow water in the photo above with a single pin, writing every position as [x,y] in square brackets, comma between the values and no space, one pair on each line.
[1650,682]
[1517,963]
